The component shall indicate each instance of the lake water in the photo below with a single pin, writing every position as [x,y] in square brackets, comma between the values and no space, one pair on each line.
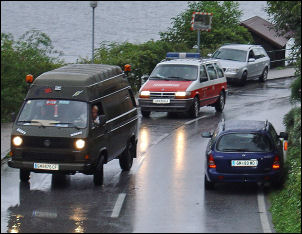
[69,23]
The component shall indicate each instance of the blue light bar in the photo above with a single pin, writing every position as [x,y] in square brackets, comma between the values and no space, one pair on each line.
[179,55]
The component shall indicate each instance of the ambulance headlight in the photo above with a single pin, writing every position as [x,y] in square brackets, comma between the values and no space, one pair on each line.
[17,141]
[80,144]
[182,94]
[144,94]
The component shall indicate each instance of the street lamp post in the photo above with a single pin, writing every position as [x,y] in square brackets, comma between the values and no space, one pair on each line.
[93,4]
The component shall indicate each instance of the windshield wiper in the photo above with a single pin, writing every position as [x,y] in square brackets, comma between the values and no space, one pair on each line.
[72,124]
[31,121]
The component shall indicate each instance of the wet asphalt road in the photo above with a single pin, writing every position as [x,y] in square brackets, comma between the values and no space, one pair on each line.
[164,190]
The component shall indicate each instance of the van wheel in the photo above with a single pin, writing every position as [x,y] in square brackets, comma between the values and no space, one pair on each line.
[263,77]
[194,111]
[24,175]
[126,158]
[207,184]
[146,114]
[98,176]
[243,78]
[219,105]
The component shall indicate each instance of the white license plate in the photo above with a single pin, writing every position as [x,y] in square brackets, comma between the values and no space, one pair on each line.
[161,101]
[46,166]
[245,163]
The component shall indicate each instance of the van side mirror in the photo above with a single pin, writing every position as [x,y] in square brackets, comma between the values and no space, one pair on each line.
[251,60]
[102,119]
[206,135]
[209,55]
[13,116]
[283,135]
[144,78]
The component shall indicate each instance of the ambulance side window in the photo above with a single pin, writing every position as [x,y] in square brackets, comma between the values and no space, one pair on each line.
[203,74]
[219,70]
[211,71]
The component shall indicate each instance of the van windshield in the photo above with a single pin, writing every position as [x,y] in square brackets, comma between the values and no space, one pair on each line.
[52,112]
[230,54]
[174,72]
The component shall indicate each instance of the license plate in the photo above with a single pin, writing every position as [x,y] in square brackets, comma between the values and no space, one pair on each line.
[161,101]
[245,163]
[46,166]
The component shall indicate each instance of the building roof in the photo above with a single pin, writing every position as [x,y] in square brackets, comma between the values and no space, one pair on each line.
[264,29]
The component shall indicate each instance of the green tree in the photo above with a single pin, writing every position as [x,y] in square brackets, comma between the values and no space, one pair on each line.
[32,54]
[286,17]
[142,57]
[225,26]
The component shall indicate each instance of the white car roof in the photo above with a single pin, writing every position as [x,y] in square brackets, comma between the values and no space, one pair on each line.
[239,46]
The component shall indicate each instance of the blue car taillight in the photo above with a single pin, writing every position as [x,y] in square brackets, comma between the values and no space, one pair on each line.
[276,163]
[211,161]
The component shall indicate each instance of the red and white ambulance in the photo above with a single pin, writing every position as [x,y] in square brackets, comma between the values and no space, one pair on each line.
[183,83]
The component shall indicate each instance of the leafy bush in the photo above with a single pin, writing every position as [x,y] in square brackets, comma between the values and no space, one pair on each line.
[286,203]
[32,54]
[142,57]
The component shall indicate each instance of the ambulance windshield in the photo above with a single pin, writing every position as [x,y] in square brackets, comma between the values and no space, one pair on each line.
[174,72]
[52,112]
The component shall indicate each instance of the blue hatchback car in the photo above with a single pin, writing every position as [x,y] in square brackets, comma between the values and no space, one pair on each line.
[244,151]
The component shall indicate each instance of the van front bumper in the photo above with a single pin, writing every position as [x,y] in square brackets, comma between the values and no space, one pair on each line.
[175,105]
[63,167]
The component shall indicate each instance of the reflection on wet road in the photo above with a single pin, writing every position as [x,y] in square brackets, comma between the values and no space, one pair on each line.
[164,190]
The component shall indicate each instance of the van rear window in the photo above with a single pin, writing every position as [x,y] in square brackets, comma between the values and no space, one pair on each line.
[52,112]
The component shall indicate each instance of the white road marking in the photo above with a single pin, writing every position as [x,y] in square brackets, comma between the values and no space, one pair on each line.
[192,121]
[263,214]
[118,205]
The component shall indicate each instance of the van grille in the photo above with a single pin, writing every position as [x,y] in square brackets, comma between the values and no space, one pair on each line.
[169,95]
[48,142]
[48,157]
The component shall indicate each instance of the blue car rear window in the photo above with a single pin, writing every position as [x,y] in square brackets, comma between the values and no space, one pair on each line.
[244,142]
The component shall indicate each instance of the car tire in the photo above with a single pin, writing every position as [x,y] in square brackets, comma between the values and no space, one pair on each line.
[194,110]
[24,175]
[98,176]
[207,184]
[219,105]
[146,114]
[126,158]
[263,77]
[243,78]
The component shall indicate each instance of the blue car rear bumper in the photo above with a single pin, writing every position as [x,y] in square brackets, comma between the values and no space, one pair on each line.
[214,176]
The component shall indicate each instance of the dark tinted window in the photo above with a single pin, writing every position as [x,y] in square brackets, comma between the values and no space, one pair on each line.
[211,71]
[203,73]
[117,104]
[244,142]
[219,70]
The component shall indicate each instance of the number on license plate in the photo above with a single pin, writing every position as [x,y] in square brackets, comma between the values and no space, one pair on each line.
[245,163]
[161,101]
[46,166]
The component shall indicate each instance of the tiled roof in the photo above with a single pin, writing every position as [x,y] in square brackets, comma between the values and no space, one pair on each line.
[264,29]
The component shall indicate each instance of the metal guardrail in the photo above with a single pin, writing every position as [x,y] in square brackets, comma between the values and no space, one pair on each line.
[292,59]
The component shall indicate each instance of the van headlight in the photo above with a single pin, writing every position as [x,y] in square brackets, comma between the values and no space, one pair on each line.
[182,94]
[144,94]
[80,144]
[17,141]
